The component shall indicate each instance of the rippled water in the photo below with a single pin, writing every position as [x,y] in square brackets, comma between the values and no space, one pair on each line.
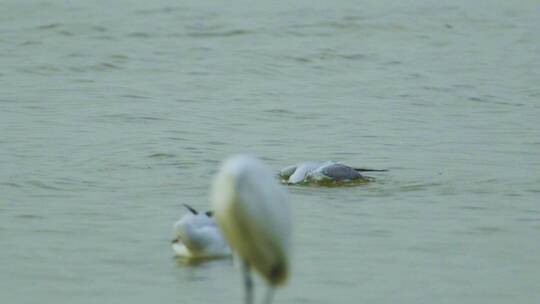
[114,113]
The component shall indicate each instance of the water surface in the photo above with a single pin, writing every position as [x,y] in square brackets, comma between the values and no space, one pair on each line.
[114,113]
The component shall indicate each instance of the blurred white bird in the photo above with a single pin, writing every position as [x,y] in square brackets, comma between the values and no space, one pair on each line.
[252,210]
[198,236]
[322,173]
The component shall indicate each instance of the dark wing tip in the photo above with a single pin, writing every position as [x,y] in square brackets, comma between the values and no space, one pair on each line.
[191,209]
[369,170]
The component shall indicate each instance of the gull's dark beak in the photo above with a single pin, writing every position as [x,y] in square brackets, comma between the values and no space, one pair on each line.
[176,240]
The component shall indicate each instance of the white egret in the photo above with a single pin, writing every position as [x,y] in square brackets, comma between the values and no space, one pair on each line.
[323,172]
[252,210]
[198,236]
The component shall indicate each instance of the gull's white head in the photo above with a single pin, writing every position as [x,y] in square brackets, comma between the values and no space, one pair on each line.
[192,219]
[197,236]
[302,170]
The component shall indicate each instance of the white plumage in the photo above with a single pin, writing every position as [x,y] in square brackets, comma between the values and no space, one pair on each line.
[252,210]
[323,172]
[197,236]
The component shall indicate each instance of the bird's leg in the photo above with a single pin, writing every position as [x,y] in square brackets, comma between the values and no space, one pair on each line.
[248,282]
[269,295]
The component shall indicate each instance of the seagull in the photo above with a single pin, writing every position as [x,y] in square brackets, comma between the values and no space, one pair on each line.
[322,173]
[198,236]
[252,210]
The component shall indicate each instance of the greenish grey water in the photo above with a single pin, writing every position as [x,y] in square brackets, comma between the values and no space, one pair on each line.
[113,113]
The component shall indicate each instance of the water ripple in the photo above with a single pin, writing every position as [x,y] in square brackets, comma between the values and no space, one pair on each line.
[49,26]
[488,230]
[98,67]
[490,100]
[29,216]
[140,35]
[328,56]
[42,185]
[166,10]
[162,155]
[11,184]
[229,33]
[134,96]
[279,111]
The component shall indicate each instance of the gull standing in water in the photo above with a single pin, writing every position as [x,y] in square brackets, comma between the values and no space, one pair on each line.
[252,210]
[323,172]
[198,237]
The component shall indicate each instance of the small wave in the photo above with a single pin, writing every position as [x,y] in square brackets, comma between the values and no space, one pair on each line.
[347,24]
[329,55]
[472,208]
[166,9]
[490,100]
[161,155]
[186,100]
[29,216]
[42,185]
[279,111]
[418,187]
[147,118]
[30,43]
[139,35]
[134,96]
[41,70]
[528,219]
[105,37]
[215,143]
[98,28]
[49,26]
[99,67]
[488,230]
[119,57]
[129,118]
[65,33]
[10,184]
[230,33]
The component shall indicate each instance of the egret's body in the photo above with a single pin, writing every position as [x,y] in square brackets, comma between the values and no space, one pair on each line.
[198,236]
[322,172]
[252,210]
